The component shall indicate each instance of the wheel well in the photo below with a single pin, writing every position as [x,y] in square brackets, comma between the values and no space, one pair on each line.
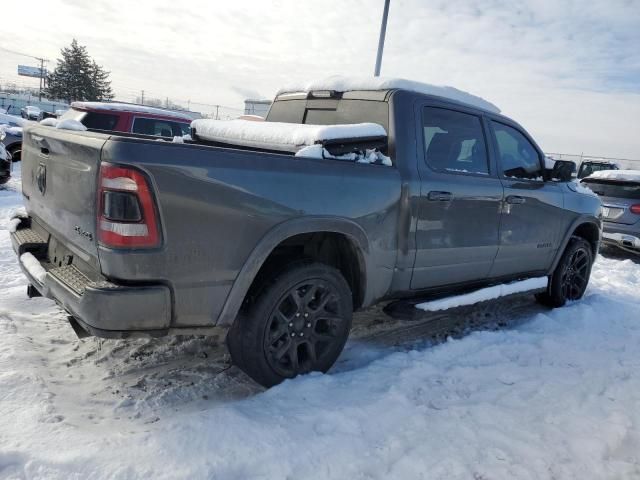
[590,233]
[330,248]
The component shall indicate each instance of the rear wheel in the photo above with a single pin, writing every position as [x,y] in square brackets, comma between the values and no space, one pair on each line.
[571,276]
[16,153]
[297,324]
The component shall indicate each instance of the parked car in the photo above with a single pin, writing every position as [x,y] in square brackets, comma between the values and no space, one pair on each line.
[12,128]
[129,118]
[590,166]
[232,231]
[619,191]
[5,161]
[30,113]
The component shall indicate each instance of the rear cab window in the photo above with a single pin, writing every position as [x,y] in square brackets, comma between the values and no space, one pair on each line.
[613,188]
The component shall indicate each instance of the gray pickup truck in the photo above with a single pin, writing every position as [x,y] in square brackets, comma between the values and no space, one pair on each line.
[134,236]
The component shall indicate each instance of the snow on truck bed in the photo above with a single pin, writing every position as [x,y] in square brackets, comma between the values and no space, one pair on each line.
[289,137]
[346,84]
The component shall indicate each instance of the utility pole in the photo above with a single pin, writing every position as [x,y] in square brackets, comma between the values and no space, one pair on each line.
[42,60]
[383,32]
[142,98]
[217,106]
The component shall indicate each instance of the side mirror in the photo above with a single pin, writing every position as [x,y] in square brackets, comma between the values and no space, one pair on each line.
[563,170]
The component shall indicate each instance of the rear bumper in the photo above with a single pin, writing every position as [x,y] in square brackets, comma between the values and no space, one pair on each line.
[620,235]
[102,308]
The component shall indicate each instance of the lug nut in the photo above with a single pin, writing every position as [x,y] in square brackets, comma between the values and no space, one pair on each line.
[298,314]
[291,324]
[306,315]
[293,334]
[308,325]
[302,334]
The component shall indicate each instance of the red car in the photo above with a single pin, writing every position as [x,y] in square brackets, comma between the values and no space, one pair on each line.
[130,118]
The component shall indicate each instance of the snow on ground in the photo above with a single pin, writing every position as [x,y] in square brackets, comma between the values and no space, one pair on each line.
[503,390]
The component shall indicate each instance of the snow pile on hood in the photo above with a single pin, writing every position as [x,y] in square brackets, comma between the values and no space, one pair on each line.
[66,124]
[368,156]
[622,175]
[128,107]
[15,131]
[345,84]
[289,137]
[7,119]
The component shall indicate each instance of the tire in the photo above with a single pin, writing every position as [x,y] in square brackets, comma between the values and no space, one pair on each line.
[298,323]
[571,277]
[16,153]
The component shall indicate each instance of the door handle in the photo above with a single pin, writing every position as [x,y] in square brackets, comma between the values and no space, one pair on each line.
[515,199]
[435,196]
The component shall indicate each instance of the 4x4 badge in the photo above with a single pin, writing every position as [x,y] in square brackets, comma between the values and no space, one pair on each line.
[41,178]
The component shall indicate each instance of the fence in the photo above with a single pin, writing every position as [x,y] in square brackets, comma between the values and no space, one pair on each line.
[13,102]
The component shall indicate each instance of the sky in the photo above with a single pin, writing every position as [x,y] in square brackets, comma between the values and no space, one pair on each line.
[568,71]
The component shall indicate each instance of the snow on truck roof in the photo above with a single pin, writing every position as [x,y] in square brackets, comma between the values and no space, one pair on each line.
[347,84]
[621,175]
[289,137]
[130,107]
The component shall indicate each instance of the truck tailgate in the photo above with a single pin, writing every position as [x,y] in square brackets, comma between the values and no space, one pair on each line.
[59,179]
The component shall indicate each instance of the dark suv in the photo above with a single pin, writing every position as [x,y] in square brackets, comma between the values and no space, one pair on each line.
[347,195]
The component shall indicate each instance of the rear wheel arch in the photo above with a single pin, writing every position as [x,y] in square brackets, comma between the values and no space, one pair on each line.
[339,243]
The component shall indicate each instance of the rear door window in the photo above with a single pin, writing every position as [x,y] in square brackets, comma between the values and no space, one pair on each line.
[454,141]
[158,127]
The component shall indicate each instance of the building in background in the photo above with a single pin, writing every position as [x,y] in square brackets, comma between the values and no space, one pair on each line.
[257,107]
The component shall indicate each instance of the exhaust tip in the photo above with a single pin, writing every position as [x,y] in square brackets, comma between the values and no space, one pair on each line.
[79,331]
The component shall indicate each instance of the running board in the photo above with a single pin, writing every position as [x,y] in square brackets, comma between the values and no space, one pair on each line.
[415,309]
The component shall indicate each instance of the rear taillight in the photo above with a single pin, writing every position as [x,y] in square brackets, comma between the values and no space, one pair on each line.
[635,208]
[127,215]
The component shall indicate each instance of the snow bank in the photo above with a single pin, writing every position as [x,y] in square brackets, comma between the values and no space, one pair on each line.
[33,266]
[70,124]
[12,120]
[66,124]
[126,107]
[484,294]
[280,136]
[49,122]
[622,175]
[345,84]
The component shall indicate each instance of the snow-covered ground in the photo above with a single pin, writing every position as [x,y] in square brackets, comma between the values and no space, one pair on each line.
[506,390]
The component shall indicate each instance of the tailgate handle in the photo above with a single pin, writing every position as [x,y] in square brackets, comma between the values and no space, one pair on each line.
[440,196]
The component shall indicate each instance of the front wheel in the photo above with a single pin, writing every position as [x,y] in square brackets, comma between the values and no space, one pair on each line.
[298,323]
[570,278]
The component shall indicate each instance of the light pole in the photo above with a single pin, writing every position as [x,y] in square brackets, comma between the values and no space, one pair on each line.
[383,32]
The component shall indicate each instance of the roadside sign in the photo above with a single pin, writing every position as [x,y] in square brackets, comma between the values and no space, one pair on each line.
[27,71]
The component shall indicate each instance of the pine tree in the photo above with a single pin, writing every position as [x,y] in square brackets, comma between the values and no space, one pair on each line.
[78,77]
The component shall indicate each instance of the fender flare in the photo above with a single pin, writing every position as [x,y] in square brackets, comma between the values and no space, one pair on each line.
[277,235]
[581,220]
